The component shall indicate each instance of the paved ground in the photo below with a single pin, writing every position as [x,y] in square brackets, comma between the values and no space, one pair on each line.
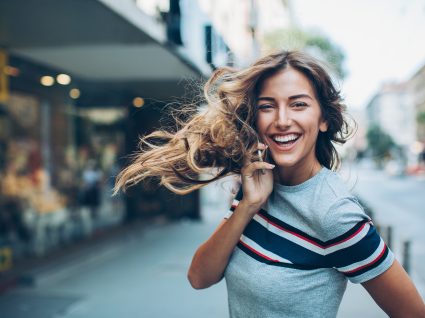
[141,273]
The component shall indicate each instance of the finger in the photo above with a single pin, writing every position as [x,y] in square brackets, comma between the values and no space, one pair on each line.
[262,146]
[261,151]
[257,155]
[250,169]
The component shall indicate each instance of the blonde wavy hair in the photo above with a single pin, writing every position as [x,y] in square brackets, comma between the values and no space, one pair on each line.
[224,135]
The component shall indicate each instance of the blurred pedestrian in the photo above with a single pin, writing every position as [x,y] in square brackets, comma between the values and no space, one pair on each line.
[294,234]
[90,195]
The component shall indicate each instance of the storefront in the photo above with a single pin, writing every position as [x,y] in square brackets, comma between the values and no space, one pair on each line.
[74,114]
[30,203]
[57,163]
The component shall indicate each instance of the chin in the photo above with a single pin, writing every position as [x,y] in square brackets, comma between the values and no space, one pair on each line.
[285,163]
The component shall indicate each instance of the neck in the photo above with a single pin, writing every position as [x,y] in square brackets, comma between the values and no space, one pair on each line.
[296,175]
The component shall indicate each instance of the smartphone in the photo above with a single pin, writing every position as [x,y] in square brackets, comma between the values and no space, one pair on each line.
[260,156]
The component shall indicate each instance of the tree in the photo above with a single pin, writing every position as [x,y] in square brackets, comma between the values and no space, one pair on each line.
[317,44]
[380,143]
[420,118]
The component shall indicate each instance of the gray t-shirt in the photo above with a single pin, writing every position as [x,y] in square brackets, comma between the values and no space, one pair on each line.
[295,256]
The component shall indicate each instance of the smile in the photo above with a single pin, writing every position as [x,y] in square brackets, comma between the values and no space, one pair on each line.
[285,142]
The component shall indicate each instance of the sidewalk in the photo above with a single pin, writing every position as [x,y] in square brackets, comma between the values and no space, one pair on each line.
[139,272]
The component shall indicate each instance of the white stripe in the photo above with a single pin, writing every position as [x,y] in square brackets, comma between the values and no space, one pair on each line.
[230,212]
[357,238]
[368,260]
[312,247]
[258,248]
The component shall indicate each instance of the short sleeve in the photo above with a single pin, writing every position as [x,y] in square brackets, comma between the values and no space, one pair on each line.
[355,248]
[235,203]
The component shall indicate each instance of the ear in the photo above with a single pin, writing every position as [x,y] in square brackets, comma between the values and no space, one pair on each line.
[323,127]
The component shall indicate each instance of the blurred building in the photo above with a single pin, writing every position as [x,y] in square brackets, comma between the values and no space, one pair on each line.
[243,23]
[80,82]
[392,109]
[417,87]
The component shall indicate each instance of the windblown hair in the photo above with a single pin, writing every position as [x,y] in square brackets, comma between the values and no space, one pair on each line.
[224,135]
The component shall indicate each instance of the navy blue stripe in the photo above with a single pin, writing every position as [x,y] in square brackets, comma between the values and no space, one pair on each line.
[239,195]
[316,240]
[282,247]
[300,255]
[357,252]
[372,266]
[269,262]
[306,259]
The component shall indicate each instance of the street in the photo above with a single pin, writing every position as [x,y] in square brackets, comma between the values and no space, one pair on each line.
[140,271]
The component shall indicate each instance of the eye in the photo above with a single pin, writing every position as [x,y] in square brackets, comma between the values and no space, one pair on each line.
[265,106]
[299,104]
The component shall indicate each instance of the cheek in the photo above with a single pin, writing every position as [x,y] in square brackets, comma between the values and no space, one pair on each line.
[261,124]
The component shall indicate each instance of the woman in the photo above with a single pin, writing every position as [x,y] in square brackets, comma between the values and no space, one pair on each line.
[294,234]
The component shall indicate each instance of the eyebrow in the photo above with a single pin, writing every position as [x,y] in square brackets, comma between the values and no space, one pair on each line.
[290,97]
[300,96]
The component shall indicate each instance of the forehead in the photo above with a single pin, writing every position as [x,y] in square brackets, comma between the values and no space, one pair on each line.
[287,82]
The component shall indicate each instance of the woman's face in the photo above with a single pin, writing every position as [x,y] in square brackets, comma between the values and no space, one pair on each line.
[289,120]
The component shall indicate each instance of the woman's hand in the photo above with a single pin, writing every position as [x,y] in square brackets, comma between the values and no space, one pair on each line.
[257,183]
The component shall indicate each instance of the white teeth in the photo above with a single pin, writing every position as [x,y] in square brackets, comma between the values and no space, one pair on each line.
[285,138]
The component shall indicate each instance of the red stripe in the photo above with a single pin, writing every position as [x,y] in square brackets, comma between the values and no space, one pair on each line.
[371,263]
[293,233]
[348,238]
[258,253]
[308,240]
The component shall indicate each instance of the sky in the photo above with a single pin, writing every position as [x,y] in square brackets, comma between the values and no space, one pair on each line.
[383,40]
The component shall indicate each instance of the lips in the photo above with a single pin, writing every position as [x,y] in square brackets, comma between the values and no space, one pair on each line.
[285,142]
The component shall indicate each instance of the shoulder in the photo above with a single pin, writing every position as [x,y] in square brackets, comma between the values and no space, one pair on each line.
[334,187]
[352,244]
[342,210]
[343,215]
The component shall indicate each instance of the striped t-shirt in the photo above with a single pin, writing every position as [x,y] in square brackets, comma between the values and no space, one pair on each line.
[295,256]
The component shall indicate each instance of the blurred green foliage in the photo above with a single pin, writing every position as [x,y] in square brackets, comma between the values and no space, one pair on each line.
[420,118]
[380,144]
[313,42]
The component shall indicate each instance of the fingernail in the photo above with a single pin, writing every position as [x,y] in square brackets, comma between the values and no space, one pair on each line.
[271,165]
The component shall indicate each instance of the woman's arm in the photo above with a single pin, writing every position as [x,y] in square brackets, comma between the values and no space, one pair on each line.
[395,293]
[211,258]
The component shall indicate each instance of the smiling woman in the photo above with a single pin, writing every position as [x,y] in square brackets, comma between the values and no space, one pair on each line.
[294,234]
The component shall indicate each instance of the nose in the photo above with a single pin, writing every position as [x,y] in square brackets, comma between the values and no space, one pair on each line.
[283,118]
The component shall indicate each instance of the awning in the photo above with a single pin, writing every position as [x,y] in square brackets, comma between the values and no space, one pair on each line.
[104,43]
